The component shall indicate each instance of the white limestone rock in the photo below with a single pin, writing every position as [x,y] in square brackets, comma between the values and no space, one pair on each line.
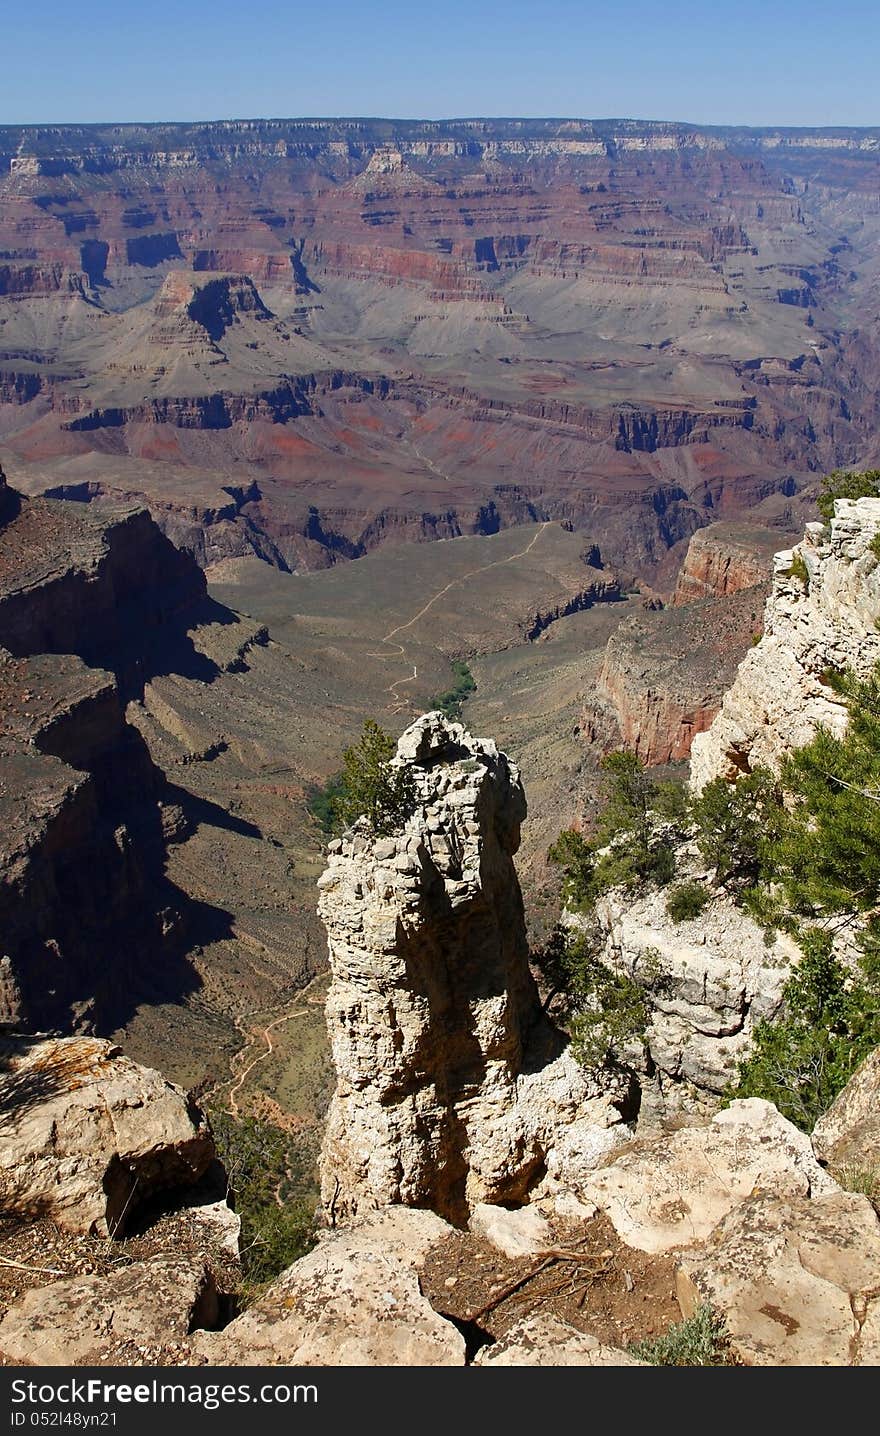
[108,1319]
[544,1340]
[353,1301]
[451,1086]
[87,1135]
[522,1232]
[797,1281]
[674,1190]
[849,1132]
[779,698]
[709,980]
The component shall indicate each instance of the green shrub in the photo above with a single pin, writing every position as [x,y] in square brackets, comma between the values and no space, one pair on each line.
[687,900]
[631,846]
[463,686]
[859,1178]
[611,1014]
[799,570]
[368,787]
[270,1187]
[323,803]
[607,1011]
[700,1340]
[736,823]
[845,484]
[828,1024]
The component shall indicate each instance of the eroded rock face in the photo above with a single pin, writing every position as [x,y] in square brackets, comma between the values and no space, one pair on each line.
[665,672]
[796,1280]
[451,1088]
[353,1301]
[828,621]
[676,1189]
[87,1135]
[709,980]
[724,559]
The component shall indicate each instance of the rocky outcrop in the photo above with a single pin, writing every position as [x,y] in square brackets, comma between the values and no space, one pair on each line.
[675,1189]
[795,1280]
[90,581]
[84,900]
[547,1341]
[87,1136]
[723,559]
[451,1088]
[7,499]
[354,1301]
[124,1319]
[848,1135]
[821,615]
[521,1232]
[708,979]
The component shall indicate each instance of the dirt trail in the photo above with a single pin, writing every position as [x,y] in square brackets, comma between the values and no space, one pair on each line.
[297,1008]
[400,704]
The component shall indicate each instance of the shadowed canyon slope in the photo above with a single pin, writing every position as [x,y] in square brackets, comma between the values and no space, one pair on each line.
[304,339]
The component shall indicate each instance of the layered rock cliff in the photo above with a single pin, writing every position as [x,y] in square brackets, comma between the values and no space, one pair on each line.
[408,325]
[712,977]
[664,674]
[723,559]
[92,603]
[452,1089]
[821,615]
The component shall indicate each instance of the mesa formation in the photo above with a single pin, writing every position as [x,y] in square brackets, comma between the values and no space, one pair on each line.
[439,620]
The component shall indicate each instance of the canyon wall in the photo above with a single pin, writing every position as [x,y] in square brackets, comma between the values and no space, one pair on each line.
[307,339]
[821,615]
[87,913]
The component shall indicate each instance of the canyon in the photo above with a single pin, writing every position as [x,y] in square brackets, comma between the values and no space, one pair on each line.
[306,339]
[294,416]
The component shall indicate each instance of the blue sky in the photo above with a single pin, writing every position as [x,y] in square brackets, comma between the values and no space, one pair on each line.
[774,62]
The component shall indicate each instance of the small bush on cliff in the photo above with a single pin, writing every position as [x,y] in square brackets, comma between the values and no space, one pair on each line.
[829,1023]
[700,1340]
[268,1183]
[820,870]
[827,852]
[606,1010]
[687,900]
[368,787]
[845,484]
[800,571]
[576,857]
[323,802]
[736,825]
[633,835]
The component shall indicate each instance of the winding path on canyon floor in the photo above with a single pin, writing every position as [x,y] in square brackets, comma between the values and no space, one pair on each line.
[400,704]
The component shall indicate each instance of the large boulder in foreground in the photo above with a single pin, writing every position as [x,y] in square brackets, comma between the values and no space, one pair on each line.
[797,1281]
[87,1135]
[674,1190]
[121,1319]
[353,1301]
